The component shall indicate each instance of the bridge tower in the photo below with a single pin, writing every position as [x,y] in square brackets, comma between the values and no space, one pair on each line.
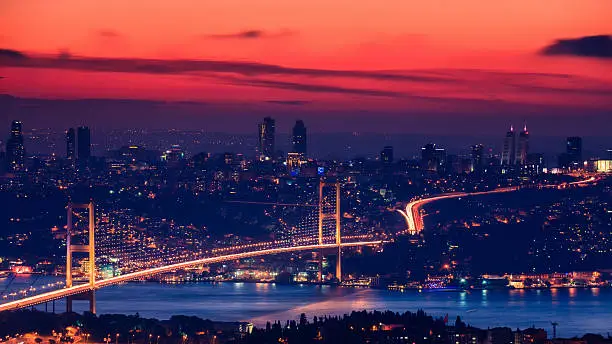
[323,214]
[89,249]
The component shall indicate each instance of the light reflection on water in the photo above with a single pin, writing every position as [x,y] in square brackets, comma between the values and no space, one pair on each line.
[576,310]
[582,311]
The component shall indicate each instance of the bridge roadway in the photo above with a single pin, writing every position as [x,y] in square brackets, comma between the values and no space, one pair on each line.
[82,288]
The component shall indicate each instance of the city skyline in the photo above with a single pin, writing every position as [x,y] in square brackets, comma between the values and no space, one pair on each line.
[305,171]
[424,63]
[513,150]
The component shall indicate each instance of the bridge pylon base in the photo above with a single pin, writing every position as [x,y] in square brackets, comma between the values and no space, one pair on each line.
[321,253]
[88,296]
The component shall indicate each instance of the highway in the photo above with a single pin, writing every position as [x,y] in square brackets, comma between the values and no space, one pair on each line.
[414,219]
[412,214]
[61,293]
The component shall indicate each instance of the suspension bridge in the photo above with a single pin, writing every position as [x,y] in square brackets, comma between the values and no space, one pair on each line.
[134,255]
[106,241]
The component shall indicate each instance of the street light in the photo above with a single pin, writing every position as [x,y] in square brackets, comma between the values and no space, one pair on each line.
[117,338]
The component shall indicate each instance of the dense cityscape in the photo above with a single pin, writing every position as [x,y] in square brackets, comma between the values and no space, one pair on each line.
[147,201]
[305,171]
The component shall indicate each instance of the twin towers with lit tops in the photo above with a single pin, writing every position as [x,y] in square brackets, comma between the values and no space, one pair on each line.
[515,153]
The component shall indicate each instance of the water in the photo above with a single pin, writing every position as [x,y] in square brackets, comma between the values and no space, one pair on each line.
[577,311]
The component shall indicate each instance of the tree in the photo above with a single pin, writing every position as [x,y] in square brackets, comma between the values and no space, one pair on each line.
[459,324]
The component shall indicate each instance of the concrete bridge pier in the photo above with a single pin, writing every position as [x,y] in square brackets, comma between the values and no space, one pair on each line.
[88,296]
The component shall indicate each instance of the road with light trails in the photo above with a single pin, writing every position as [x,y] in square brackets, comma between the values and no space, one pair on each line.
[414,219]
[412,214]
[61,293]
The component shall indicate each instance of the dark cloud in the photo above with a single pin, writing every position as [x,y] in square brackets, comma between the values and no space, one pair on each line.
[286,85]
[251,34]
[564,91]
[248,34]
[151,66]
[289,102]
[106,33]
[11,54]
[589,46]
[64,54]
[491,72]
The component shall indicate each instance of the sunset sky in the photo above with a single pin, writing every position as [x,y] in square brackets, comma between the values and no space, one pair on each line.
[470,56]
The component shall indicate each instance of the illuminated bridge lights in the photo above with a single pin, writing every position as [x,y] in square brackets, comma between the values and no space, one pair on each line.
[129,252]
[61,293]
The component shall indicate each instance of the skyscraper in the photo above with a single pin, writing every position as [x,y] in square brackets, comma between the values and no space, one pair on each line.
[574,149]
[83,144]
[299,139]
[508,154]
[433,158]
[266,139]
[523,147]
[15,151]
[477,161]
[71,144]
[386,155]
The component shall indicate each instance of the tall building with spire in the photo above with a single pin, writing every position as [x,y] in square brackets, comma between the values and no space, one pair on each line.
[266,135]
[522,150]
[509,152]
[15,151]
[299,140]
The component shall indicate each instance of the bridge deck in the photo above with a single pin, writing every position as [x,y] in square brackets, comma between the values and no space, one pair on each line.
[61,293]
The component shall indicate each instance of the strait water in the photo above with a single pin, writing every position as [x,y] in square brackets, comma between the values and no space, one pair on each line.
[577,311]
